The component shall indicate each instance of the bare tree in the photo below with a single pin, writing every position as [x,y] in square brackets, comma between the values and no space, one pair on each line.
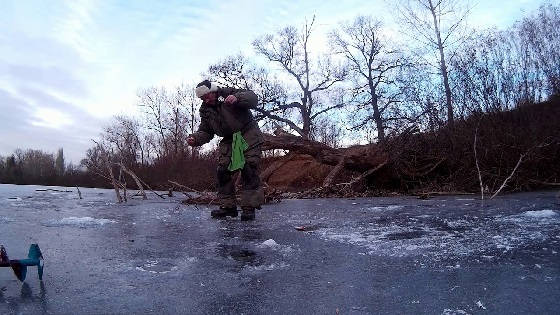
[542,33]
[499,70]
[437,24]
[239,72]
[373,62]
[170,115]
[125,135]
[153,101]
[190,104]
[290,49]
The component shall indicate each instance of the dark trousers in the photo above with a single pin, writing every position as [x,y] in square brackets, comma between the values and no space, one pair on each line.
[252,194]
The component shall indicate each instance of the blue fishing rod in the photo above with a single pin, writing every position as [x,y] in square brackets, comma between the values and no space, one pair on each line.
[19,266]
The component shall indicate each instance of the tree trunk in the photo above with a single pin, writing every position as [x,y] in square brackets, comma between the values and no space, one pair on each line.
[114,181]
[443,68]
[377,116]
[358,158]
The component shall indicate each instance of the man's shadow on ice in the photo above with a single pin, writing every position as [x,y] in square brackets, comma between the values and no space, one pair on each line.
[238,243]
[26,297]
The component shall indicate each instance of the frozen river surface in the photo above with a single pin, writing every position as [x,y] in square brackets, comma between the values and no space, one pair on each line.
[402,255]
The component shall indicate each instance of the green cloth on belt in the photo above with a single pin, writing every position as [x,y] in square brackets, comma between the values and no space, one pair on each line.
[238,145]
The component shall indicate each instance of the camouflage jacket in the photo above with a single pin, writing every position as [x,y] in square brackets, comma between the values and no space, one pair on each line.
[224,120]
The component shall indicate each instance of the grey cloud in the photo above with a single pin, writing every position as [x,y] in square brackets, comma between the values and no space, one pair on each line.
[43,99]
[50,63]
[17,132]
[43,50]
[51,67]
[14,112]
[52,77]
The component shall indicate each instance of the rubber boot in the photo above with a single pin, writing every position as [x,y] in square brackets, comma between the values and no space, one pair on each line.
[224,212]
[247,214]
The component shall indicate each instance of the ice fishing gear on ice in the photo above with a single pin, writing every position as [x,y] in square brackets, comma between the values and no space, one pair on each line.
[19,266]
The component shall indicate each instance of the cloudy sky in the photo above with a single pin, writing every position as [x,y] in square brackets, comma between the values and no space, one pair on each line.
[66,67]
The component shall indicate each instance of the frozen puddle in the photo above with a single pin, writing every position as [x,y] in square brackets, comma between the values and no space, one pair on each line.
[82,222]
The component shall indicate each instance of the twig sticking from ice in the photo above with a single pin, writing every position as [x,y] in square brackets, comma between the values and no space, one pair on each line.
[479,304]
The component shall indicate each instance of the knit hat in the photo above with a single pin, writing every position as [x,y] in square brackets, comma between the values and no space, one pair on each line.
[205,87]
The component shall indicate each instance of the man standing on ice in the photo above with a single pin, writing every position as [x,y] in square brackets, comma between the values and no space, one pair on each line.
[225,112]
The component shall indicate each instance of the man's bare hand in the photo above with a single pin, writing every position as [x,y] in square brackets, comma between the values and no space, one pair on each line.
[231,99]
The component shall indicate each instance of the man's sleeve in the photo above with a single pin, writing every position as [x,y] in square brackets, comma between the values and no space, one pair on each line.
[204,134]
[246,99]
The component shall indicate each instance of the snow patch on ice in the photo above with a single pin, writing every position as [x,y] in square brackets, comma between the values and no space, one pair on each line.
[154,267]
[383,241]
[533,218]
[540,214]
[382,208]
[269,243]
[163,266]
[273,266]
[81,222]
[453,312]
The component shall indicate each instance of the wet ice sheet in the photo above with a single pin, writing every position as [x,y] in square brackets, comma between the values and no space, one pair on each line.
[366,251]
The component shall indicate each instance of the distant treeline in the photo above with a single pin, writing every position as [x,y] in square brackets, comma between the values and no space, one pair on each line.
[35,167]
[41,168]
